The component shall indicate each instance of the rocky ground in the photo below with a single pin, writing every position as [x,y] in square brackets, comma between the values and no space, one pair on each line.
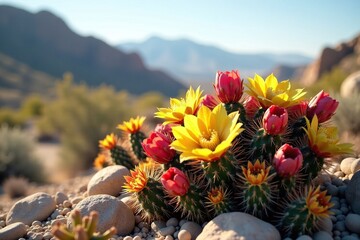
[33,217]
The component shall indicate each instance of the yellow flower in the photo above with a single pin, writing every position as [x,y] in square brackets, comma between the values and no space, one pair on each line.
[133,125]
[101,161]
[318,203]
[109,142]
[216,195]
[206,136]
[270,92]
[256,174]
[181,107]
[137,181]
[324,141]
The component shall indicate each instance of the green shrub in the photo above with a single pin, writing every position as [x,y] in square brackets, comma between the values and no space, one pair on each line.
[11,117]
[32,106]
[17,155]
[81,116]
[347,115]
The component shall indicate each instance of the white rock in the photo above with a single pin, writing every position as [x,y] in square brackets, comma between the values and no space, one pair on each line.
[184,235]
[112,212]
[236,226]
[60,197]
[193,228]
[345,165]
[352,222]
[37,206]
[322,235]
[355,166]
[108,180]
[13,231]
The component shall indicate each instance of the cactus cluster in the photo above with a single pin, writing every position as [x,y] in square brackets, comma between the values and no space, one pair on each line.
[82,228]
[255,150]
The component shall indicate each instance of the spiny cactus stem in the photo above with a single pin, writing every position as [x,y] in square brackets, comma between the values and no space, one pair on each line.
[106,235]
[76,217]
[136,140]
[80,233]
[61,232]
[91,226]
[233,107]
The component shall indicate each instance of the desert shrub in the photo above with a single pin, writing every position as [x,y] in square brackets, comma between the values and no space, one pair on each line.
[32,106]
[16,187]
[11,117]
[17,156]
[347,116]
[81,116]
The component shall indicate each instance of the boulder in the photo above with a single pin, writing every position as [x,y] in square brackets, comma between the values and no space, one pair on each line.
[352,193]
[350,85]
[13,231]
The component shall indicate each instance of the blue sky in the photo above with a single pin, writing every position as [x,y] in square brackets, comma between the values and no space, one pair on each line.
[276,26]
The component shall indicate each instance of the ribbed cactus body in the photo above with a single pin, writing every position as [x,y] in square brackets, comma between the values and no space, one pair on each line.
[121,157]
[297,220]
[312,164]
[232,107]
[221,172]
[297,132]
[136,140]
[152,203]
[257,199]
[263,146]
[220,201]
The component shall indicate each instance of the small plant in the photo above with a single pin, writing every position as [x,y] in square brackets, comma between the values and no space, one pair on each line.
[17,156]
[16,187]
[82,229]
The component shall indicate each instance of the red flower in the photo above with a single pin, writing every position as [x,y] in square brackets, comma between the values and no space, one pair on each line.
[228,86]
[287,160]
[298,110]
[251,106]
[275,120]
[175,182]
[210,101]
[157,147]
[323,106]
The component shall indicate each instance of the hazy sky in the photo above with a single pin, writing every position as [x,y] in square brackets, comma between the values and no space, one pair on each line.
[303,26]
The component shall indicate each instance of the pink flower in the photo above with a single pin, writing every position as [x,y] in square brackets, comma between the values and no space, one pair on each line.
[287,160]
[275,120]
[210,101]
[298,110]
[323,106]
[228,86]
[165,129]
[251,106]
[175,182]
[157,147]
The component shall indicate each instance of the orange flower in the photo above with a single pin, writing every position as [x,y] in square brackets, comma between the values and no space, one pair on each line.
[137,181]
[101,161]
[318,202]
[216,195]
[133,125]
[256,174]
[109,142]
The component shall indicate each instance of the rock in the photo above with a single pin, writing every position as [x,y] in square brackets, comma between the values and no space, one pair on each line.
[193,228]
[236,226]
[184,235]
[167,231]
[13,231]
[76,200]
[355,166]
[340,225]
[112,212]
[157,225]
[129,201]
[332,190]
[352,222]
[322,235]
[352,193]
[172,222]
[350,85]
[60,197]
[325,224]
[349,237]
[304,237]
[108,180]
[345,165]
[37,206]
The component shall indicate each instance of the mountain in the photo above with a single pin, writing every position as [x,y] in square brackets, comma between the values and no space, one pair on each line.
[345,56]
[188,60]
[44,42]
[17,81]
[283,72]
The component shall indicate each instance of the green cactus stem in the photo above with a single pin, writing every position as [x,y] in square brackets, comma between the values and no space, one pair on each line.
[121,157]
[312,164]
[136,140]
[263,146]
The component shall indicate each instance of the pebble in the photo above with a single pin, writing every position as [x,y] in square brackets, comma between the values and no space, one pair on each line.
[2,223]
[184,235]
[13,231]
[172,222]
[349,237]
[169,237]
[355,166]
[345,165]
[340,217]
[182,221]
[156,225]
[137,238]
[322,235]
[55,214]
[167,230]
[352,223]
[340,225]
[342,190]
[304,237]
[339,174]
[127,238]
[193,228]
[352,193]
[76,200]
[332,190]
[60,197]
[67,204]
[337,182]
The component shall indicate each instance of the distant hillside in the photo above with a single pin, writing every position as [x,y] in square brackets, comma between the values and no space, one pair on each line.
[283,72]
[44,42]
[188,60]
[18,80]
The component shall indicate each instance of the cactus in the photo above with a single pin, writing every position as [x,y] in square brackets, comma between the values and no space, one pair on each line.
[147,192]
[263,146]
[82,229]
[121,157]
[219,201]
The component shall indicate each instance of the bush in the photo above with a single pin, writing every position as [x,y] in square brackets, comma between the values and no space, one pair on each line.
[16,187]
[17,156]
[81,116]
[11,118]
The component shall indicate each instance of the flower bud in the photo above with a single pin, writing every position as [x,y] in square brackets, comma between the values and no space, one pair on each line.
[157,147]
[251,106]
[210,101]
[298,110]
[275,120]
[323,106]
[175,182]
[287,160]
[228,86]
